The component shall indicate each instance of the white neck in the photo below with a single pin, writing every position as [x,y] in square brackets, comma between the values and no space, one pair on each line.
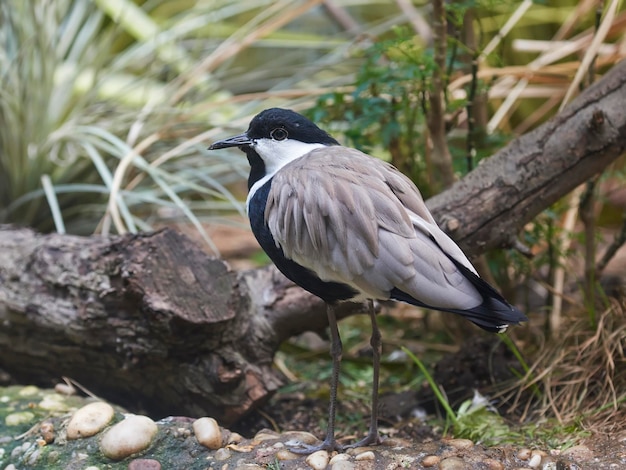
[275,155]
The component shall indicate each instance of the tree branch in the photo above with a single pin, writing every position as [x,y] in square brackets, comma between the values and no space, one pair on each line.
[491,204]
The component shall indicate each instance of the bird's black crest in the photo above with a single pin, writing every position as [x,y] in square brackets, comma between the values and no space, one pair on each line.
[297,126]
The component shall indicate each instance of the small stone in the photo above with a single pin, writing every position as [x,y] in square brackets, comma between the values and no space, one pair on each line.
[579,452]
[318,460]
[144,464]
[343,465]
[492,464]
[535,461]
[367,455]
[208,433]
[54,402]
[222,454]
[284,454]
[65,389]
[234,438]
[128,437]
[296,437]
[28,391]
[430,460]
[524,454]
[453,463]
[338,457]
[265,435]
[461,444]
[89,420]
[19,417]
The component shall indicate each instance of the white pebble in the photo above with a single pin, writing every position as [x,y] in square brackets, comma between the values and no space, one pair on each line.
[368,455]
[338,457]
[343,465]
[208,433]
[128,437]
[534,461]
[90,420]
[19,417]
[293,438]
[318,460]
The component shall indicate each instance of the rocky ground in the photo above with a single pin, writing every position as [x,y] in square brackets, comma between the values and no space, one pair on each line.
[45,429]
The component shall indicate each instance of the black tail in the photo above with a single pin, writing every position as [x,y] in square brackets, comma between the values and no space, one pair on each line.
[494,314]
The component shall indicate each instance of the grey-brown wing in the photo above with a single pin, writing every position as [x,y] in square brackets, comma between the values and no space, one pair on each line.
[354,219]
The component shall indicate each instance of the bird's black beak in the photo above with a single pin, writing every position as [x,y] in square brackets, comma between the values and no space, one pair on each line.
[241,140]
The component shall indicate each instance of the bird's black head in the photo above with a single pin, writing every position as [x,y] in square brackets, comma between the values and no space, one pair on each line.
[277,124]
[274,138]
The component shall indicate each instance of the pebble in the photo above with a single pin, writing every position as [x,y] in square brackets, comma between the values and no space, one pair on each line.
[234,438]
[318,460]
[453,463]
[265,435]
[295,437]
[580,452]
[430,460]
[493,464]
[367,455]
[461,444]
[524,454]
[338,458]
[128,437]
[534,461]
[208,433]
[53,402]
[28,391]
[89,420]
[222,454]
[19,417]
[284,454]
[144,464]
[342,465]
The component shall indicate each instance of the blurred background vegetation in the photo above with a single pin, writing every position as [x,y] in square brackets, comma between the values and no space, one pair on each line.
[107,107]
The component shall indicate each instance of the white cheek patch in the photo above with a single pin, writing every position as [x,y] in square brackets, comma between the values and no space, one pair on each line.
[276,154]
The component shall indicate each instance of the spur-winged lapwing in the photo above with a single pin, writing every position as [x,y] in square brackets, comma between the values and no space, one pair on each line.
[347,226]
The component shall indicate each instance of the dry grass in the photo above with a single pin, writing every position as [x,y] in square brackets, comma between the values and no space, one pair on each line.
[582,377]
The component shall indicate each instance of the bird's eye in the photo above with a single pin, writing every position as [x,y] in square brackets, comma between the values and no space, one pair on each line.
[279,133]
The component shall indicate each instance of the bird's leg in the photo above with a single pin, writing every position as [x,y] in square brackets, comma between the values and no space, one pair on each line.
[373,437]
[336,350]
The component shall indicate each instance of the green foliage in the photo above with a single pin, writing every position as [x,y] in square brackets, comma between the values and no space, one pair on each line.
[386,109]
[77,124]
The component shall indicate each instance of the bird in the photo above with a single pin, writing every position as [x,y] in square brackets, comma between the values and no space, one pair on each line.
[347,226]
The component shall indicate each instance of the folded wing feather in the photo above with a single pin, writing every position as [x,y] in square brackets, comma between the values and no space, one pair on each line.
[354,219]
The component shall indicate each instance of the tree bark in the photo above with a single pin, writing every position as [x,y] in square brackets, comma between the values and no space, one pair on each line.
[148,321]
[152,323]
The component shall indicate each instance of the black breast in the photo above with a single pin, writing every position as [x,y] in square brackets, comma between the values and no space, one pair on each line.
[304,277]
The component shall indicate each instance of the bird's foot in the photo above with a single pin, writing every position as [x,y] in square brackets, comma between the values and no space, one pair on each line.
[328,445]
[372,439]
